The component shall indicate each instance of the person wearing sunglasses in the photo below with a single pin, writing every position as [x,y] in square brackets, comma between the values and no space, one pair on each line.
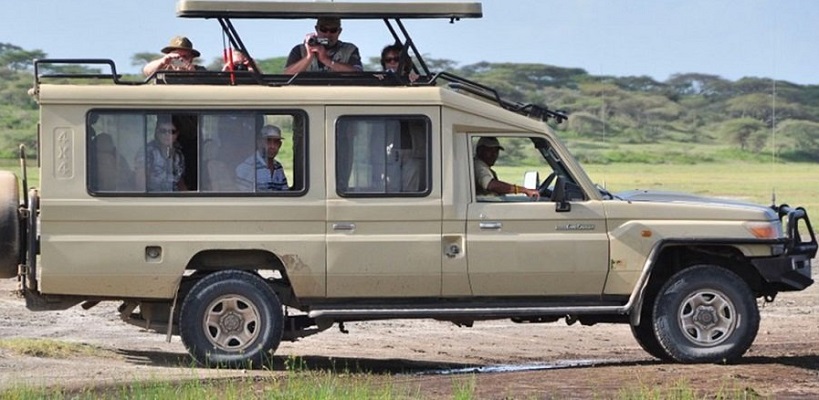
[391,59]
[161,166]
[179,55]
[323,52]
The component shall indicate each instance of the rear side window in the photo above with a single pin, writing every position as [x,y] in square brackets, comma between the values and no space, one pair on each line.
[173,153]
[383,156]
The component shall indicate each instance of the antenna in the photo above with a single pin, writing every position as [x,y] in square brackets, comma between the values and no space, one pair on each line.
[773,141]
[773,115]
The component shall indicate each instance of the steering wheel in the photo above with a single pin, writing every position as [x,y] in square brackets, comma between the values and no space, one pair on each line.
[543,188]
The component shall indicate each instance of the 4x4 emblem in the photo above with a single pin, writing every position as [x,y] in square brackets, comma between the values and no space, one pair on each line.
[575,227]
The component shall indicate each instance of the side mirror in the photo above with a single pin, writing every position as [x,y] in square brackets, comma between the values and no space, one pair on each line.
[531,179]
[565,192]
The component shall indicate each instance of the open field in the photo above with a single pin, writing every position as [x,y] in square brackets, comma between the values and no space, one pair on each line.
[794,184]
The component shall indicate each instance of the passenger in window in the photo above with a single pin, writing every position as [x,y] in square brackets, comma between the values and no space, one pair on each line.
[262,167]
[391,60]
[161,167]
[486,180]
[238,62]
[179,55]
[323,52]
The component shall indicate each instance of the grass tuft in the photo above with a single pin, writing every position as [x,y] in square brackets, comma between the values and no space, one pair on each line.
[47,348]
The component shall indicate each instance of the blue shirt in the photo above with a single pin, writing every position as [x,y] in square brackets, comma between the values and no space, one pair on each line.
[253,172]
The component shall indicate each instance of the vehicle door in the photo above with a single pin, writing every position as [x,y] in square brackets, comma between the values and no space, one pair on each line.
[520,247]
[383,202]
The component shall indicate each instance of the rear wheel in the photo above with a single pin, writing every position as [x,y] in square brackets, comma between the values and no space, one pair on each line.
[706,314]
[9,224]
[231,319]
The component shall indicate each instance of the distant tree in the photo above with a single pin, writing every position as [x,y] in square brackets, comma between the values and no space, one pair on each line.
[744,132]
[639,84]
[440,64]
[16,59]
[692,84]
[273,65]
[803,134]
[140,59]
[586,124]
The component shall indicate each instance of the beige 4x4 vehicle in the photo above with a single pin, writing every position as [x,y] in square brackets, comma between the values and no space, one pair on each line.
[381,218]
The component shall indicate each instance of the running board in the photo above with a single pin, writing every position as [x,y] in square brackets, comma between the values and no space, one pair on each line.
[361,313]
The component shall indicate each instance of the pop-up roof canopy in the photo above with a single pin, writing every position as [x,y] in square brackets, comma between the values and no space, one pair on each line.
[346,10]
[225,11]
[390,12]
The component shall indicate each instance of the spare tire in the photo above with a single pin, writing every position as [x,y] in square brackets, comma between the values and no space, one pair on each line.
[9,225]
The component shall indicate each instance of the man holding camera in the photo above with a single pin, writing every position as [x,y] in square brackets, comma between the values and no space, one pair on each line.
[323,52]
[179,55]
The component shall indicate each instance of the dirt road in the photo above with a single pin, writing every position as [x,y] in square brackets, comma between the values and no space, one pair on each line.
[512,360]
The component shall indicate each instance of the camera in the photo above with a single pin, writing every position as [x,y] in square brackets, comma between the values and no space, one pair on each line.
[240,67]
[315,41]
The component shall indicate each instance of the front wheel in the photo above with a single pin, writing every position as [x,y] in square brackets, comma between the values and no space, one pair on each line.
[232,319]
[705,314]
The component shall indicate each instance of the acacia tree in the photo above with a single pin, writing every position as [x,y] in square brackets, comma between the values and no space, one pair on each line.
[14,58]
[803,134]
[747,133]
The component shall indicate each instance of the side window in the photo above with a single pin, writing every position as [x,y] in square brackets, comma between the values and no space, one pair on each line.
[253,153]
[508,159]
[165,161]
[383,156]
[189,152]
[113,143]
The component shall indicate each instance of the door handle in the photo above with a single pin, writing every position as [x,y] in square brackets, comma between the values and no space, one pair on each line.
[343,226]
[493,226]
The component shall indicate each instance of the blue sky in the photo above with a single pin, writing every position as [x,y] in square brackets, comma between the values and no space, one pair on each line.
[658,38]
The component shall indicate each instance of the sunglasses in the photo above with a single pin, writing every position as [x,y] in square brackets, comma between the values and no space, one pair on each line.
[166,131]
[324,29]
[391,59]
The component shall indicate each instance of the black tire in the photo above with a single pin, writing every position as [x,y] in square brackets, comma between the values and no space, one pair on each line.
[645,337]
[706,314]
[9,225]
[231,319]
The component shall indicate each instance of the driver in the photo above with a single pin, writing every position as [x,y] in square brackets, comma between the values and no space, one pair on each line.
[486,180]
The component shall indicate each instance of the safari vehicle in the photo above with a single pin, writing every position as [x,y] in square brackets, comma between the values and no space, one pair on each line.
[380,220]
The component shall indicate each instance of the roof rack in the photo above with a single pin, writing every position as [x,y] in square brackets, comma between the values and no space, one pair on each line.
[535,111]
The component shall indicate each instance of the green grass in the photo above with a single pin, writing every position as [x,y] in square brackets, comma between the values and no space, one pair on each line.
[682,390]
[47,348]
[325,385]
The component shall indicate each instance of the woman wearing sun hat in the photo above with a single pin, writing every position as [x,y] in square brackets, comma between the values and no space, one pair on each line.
[179,55]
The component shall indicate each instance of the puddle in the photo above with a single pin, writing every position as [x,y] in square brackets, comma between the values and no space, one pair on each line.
[493,369]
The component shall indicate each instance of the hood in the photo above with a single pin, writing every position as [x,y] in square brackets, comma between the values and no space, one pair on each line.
[659,196]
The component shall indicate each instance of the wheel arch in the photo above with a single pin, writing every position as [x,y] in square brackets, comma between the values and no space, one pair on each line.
[264,263]
[674,256]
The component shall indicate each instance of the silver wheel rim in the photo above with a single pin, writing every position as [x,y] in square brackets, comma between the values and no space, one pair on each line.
[231,323]
[707,318]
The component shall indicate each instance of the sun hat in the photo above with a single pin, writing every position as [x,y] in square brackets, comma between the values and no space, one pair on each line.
[180,43]
[271,132]
[489,142]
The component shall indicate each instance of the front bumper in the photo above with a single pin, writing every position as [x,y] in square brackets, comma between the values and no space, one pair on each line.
[792,269]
